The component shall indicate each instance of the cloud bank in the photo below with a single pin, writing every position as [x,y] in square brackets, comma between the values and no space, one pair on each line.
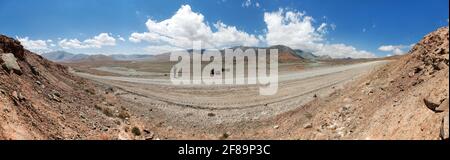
[186,26]
[38,46]
[395,49]
[297,30]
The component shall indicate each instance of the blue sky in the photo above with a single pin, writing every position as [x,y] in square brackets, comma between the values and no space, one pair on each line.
[353,27]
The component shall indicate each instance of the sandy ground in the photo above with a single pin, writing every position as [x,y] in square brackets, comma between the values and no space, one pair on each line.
[211,112]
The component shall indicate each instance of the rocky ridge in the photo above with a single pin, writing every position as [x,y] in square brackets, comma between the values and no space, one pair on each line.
[40,99]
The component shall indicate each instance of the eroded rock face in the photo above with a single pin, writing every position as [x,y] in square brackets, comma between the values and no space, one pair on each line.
[9,45]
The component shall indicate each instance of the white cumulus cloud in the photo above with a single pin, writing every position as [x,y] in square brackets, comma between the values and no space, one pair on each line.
[333,26]
[186,26]
[293,29]
[322,28]
[342,51]
[297,30]
[230,36]
[103,39]
[120,38]
[290,28]
[39,46]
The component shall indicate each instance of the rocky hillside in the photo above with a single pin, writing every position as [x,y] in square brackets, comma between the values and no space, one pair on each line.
[40,99]
[406,99]
[307,55]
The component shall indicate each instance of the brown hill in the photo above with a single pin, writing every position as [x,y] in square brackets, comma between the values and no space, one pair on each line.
[40,99]
[286,54]
[406,99]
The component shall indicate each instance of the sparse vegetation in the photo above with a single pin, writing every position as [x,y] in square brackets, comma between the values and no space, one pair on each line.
[224,136]
[136,131]
[108,112]
[123,114]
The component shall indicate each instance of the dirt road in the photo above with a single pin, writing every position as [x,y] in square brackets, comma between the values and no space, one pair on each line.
[209,109]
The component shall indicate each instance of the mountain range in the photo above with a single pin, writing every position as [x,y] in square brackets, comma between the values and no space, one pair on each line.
[286,54]
[63,56]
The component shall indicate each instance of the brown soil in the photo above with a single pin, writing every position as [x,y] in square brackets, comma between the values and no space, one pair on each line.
[390,103]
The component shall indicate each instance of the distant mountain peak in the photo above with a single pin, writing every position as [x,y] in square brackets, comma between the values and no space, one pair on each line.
[64,56]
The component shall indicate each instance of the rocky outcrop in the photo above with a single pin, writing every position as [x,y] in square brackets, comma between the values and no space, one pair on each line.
[9,45]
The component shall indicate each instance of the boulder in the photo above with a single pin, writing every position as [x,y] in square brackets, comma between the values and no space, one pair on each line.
[430,104]
[9,62]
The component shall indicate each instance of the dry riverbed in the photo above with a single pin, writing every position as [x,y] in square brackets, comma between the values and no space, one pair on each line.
[220,112]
